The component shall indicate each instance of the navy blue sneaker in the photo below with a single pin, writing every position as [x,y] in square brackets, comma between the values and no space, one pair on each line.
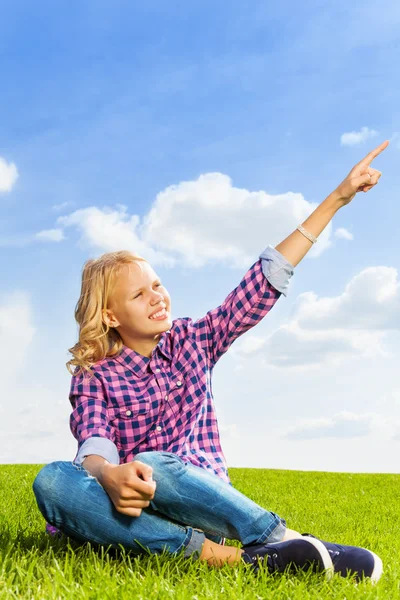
[291,555]
[352,560]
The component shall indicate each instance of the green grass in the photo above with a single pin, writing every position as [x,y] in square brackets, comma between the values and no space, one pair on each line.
[351,508]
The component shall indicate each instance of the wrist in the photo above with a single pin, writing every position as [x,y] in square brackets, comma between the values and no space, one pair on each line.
[105,470]
[336,201]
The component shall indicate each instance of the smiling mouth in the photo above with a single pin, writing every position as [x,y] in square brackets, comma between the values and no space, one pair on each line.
[161,314]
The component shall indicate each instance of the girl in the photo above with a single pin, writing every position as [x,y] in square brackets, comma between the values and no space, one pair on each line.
[150,473]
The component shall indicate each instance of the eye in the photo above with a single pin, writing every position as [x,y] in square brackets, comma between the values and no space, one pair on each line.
[140,293]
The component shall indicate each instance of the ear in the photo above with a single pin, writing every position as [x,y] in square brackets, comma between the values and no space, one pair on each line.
[109,318]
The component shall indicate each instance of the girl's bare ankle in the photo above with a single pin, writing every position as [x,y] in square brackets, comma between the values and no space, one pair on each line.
[217,555]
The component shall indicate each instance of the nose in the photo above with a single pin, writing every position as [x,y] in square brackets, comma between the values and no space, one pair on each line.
[158,297]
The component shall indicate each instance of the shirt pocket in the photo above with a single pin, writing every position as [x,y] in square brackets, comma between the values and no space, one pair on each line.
[131,420]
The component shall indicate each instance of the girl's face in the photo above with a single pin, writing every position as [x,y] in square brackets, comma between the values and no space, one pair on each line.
[136,296]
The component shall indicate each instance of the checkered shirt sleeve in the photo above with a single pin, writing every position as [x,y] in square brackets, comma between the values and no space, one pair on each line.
[89,417]
[241,310]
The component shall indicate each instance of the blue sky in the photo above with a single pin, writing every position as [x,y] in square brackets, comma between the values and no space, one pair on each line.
[105,108]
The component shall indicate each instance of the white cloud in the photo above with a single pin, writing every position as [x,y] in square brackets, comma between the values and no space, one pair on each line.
[357,137]
[200,222]
[278,400]
[230,430]
[40,413]
[251,344]
[62,205]
[50,235]
[34,424]
[109,230]
[8,175]
[209,217]
[370,301]
[329,330]
[346,424]
[16,331]
[20,240]
[341,425]
[343,234]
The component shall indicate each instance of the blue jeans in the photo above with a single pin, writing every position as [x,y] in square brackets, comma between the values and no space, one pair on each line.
[189,505]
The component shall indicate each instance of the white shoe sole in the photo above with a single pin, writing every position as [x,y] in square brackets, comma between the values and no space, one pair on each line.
[378,565]
[325,556]
[378,568]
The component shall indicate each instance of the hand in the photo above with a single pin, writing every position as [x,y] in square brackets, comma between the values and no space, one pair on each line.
[361,178]
[130,486]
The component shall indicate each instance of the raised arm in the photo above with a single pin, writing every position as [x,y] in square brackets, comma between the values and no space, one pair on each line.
[268,278]
[245,306]
[361,178]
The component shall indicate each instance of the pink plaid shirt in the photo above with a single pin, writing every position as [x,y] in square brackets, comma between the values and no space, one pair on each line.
[135,404]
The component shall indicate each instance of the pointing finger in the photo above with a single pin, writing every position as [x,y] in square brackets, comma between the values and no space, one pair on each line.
[373,154]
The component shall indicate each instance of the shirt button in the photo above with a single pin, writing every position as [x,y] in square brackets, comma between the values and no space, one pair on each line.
[158,370]
[179,383]
[128,413]
[158,427]
[166,397]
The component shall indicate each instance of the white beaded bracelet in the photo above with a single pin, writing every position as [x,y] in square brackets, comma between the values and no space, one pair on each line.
[307,234]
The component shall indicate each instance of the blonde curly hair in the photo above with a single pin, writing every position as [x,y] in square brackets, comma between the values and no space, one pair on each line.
[97,339]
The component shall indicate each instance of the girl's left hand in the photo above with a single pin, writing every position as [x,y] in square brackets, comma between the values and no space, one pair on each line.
[361,178]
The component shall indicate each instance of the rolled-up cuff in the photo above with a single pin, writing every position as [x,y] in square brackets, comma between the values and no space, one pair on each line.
[276,269]
[98,445]
[193,543]
[274,532]
[277,535]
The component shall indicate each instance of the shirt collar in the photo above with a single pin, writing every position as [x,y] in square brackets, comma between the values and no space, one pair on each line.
[139,364]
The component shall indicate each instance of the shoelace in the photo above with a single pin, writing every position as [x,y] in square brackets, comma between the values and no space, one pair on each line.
[271,561]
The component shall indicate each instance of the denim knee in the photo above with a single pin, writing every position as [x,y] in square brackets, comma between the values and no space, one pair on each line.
[45,481]
[46,486]
[161,461]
